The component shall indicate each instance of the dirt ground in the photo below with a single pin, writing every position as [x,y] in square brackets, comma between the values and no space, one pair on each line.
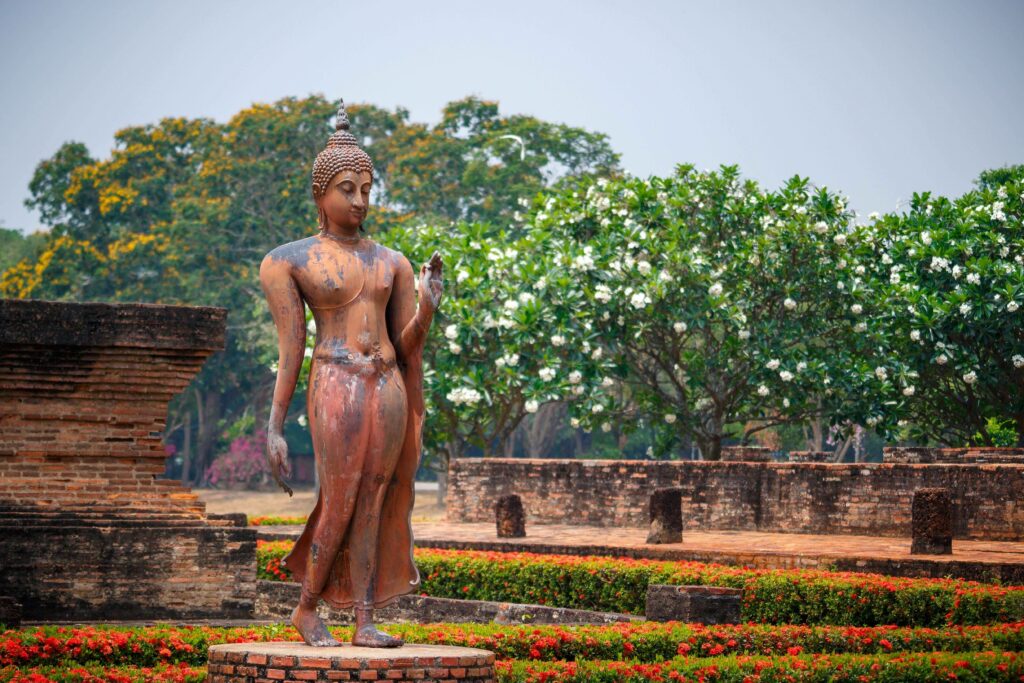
[277,503]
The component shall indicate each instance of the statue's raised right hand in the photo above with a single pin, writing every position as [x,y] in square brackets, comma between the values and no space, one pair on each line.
[277,456]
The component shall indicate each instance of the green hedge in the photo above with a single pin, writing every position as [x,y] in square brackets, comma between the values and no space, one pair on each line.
[770,596]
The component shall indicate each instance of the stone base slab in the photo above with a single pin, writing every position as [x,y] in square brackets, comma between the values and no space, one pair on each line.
[277,662]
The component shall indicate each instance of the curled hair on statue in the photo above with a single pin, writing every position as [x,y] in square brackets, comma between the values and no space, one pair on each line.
[342,153]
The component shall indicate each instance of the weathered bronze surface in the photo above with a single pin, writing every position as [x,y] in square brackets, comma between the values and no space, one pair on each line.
[365,399]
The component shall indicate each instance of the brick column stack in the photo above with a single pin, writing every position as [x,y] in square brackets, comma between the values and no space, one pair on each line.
[84,390]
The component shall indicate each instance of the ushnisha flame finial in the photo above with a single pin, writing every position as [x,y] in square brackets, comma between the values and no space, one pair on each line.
[342,153]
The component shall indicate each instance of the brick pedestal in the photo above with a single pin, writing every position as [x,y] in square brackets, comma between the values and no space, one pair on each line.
[666,516]
[278,662]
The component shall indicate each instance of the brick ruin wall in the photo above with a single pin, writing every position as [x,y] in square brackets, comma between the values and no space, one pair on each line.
[87,528]
[861,499]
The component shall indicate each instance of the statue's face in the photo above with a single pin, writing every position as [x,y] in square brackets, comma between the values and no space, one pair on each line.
[347,199]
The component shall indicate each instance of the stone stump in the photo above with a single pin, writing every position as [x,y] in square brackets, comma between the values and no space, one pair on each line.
[666,510]
[510,517]
[694,604]
[247,662]
[932,522]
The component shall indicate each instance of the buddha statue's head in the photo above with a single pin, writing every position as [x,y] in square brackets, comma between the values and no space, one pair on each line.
[344,164]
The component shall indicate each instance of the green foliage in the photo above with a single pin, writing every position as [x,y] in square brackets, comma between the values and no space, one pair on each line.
[15,247]
[718,302]
[943,287]
[999,433]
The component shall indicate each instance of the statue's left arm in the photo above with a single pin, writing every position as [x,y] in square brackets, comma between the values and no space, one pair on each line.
[409,322]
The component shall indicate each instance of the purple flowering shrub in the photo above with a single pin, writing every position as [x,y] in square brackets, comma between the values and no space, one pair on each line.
[243,466]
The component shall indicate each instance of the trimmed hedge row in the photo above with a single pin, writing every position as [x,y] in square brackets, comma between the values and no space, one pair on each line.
[639,642]
[96,673]
[797,596]
[273,520]
[906,668]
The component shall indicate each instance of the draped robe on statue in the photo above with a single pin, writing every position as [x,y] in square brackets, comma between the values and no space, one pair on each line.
[396,571]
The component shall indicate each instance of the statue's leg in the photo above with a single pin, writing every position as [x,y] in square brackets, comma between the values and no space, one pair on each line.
[389,412]
[340,428]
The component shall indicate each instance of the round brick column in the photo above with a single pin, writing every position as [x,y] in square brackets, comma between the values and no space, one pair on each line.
[276,662]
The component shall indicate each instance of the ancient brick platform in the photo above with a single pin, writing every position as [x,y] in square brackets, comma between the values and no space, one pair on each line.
[88,529]
[272,662]
[867,499]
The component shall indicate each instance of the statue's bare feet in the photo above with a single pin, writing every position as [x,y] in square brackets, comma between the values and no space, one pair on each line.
[312,628]
[368,636]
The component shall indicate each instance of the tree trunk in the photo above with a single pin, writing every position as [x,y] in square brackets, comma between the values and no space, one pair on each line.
[543,428]
[580,446]
[186,449]
[209,416]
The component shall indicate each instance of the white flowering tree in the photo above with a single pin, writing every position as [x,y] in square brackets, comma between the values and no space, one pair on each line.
[725,309]
[946,287]
[505,340]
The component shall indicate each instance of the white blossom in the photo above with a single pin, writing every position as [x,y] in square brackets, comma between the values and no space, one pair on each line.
[974,278]
[941,359]
[856,309]
[839,239]
[557,340]
[1018,361]
[773,364]
[789,304]
[606,427]
[679,327]
[639,300]
[574,422]
[597,409]
[971,377]
[926,237]
[1012,306]
[603,293]
[302,420]
[462,276]
[915,335]
[455,348]
[531,406]
[881,373]
[763,390]
[547,374]
[821,227]
[715,289]
[785,375]
[860,327]
[451,332]
[575,377]
[744,334]
[785,403]
[670,418]
[873,216]
[597,353]
[965,308]
[665,276]
[644,267]
[801,366]
[909,390]
[464,395]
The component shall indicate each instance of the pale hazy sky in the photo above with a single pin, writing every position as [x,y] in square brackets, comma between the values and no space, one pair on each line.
[875,99]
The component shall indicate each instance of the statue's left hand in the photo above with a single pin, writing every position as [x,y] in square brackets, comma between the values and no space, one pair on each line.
[431,282]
